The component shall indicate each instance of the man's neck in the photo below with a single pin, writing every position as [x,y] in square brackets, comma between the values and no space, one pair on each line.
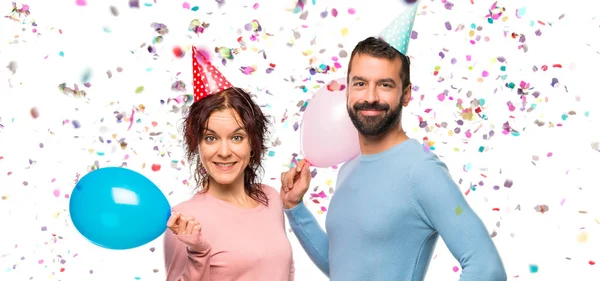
[378,144]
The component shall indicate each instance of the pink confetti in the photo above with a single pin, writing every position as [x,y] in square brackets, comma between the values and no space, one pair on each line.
[351,11]
[455,269]
[255,6]
[56,193]
[511,107]
[186,5]
[80,2]
[484,74]
[441,97]
[334,12]
[131,119]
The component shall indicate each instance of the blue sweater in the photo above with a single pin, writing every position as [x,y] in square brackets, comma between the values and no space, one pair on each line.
[386,215]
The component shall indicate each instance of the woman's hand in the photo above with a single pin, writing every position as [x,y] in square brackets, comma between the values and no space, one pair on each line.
[181,225]
[188,231]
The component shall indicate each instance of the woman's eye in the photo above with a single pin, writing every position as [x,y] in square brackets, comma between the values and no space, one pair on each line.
[238,138]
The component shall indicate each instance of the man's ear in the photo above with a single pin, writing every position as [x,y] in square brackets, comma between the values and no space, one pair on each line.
[406,95]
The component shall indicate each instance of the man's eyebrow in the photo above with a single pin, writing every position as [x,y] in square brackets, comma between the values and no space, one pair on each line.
[384,80]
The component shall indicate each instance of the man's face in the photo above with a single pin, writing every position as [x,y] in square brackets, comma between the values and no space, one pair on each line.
[374,94]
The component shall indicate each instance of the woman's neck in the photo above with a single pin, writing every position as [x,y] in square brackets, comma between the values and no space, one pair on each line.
[233,193]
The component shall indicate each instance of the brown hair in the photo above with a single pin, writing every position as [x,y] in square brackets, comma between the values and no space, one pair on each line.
[254,122]
[378,48]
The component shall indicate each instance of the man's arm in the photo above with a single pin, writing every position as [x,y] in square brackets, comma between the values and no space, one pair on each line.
[311,236]
[441,204]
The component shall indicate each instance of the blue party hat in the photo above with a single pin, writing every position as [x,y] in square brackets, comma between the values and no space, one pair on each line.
[398,32]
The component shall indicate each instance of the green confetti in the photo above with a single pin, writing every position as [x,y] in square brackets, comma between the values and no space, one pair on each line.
[458,210]
[139,89]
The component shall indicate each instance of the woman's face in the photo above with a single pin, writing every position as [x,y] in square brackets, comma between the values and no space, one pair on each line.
[225,148]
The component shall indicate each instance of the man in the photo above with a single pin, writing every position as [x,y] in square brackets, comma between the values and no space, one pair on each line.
[394,199]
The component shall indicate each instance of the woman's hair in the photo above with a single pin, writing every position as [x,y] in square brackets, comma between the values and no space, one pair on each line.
[254,122]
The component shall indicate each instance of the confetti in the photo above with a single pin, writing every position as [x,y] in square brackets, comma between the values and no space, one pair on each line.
[492,94]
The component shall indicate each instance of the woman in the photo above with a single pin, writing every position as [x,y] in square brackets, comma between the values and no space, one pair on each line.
[233,228]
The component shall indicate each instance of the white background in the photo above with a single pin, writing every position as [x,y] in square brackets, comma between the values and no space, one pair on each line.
[560,242]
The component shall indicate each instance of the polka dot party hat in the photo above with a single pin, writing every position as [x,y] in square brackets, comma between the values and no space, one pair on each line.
[207,78]
[398,32]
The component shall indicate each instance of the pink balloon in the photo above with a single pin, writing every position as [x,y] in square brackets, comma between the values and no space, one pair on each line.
[327,135]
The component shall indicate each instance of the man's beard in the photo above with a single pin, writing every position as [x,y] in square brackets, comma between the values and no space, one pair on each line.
[372,126]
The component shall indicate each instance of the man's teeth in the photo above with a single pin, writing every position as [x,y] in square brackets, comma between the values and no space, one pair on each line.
[225,164]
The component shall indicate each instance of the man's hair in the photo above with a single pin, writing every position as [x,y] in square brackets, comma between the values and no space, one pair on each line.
[378,48]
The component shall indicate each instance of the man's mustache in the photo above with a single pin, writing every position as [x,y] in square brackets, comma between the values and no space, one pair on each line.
[371,106]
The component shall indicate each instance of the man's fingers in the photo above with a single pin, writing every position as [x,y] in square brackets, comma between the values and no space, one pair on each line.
[306,171]
[289,178]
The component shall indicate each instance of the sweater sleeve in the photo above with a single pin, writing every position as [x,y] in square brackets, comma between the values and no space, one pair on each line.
[311,236]
[183,263]
[441,204]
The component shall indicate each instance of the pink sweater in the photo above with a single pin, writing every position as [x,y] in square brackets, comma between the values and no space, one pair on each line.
[234,244]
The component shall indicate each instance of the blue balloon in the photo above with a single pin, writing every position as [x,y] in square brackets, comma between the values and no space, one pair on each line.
[117,208]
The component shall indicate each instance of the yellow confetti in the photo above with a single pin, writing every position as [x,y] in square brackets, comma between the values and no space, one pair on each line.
[344,31]
[582,237]
[458,210]
[328,182]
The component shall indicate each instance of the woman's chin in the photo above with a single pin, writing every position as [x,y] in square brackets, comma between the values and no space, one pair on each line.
[225,178]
